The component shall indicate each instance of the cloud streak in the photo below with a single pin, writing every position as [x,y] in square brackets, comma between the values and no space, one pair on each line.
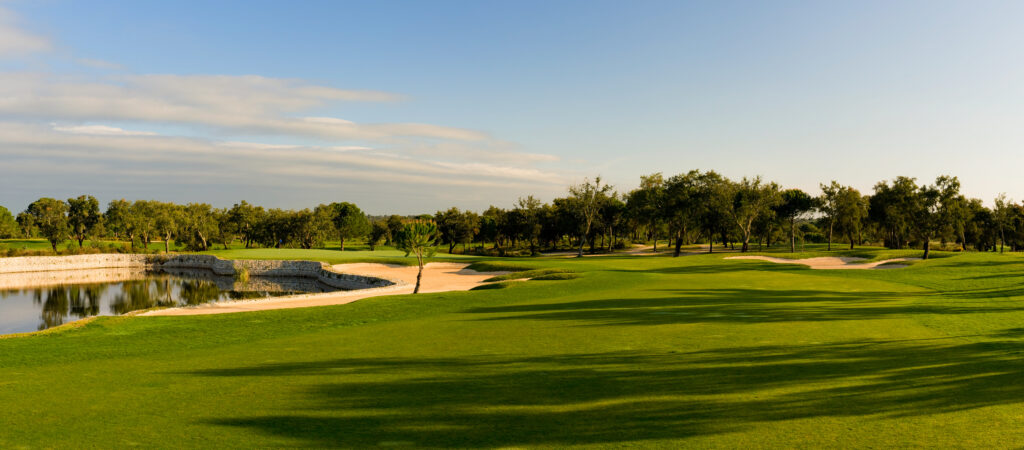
[248,104]
[17,42]
[127,149]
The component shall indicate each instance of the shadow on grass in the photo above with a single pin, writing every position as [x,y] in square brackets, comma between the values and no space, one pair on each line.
[728,267]
[621,397]
[682,306]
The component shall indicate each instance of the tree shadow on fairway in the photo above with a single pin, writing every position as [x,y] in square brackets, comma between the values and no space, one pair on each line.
[726,267]
[624,396]
[683,306]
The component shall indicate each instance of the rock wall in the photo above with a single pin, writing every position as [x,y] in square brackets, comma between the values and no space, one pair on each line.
[259,268]
[75,262]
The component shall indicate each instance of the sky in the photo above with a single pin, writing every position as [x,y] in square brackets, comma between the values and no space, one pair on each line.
[411,107]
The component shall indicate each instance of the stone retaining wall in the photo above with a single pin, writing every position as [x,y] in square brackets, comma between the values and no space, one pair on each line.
[266,268]
[75,262]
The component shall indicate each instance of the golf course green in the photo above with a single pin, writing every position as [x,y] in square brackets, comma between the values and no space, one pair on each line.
[695,351]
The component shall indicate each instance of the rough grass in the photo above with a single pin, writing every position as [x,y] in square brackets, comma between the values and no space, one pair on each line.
[695,351]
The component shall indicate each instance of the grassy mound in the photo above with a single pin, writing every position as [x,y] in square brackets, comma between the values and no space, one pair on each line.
[527,274]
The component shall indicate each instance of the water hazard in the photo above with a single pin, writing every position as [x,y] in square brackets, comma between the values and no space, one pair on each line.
[62,297]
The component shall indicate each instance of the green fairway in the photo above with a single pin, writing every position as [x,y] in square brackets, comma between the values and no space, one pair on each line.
[695,351]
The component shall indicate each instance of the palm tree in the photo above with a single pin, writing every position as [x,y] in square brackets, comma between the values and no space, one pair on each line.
[418,238]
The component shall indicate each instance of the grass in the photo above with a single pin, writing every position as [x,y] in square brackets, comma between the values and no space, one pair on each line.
[529,274]
[695,351]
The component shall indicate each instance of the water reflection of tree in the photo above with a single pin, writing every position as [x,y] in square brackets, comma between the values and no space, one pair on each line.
[134,295]
[55,305]
[85,300]
[145,294]
[196,292]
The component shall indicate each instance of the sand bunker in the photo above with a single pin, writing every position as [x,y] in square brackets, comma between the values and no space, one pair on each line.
[833,262]
[437,277]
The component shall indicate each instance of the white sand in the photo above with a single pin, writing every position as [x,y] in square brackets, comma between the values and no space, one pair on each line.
[437,277]
[832,262]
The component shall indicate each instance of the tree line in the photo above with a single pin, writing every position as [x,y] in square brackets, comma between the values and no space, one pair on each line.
[689,208]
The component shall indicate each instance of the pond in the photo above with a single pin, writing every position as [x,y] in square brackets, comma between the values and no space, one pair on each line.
[50,305]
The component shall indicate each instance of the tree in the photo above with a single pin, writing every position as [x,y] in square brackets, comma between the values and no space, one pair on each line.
[349,221]
[450,225]
[118,220]
[8,225]
[1001,216]
[378,231]
[167,217]
[310,228]
[527,221]
[226,229]
[925,215]
[710,201]
[844,210]
[750,199]
[244,219]
[889,209]
[274,228]
[647,203]
[394,223]
[26,224]
[142,220]
[50,216]
[197,225]
[682,205]
[978,231]
[794,204]
[490,226]
[954,213]
[853,209]
[83,217]
[587,198]
[418,238]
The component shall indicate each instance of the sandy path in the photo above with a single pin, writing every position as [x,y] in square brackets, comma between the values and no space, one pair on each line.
[437,277]
[832,262]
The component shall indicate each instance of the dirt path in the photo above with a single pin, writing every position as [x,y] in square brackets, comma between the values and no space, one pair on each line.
[437,277]
[833,262]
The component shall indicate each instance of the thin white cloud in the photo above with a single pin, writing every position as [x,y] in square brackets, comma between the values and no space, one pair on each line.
[116,147]
[247,104]
[101,130]
[15,41]
[98,64]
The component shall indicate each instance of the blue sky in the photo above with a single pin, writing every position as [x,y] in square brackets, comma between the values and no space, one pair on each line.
[410,107]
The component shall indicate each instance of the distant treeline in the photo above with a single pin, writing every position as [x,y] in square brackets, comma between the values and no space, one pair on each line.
[690,208]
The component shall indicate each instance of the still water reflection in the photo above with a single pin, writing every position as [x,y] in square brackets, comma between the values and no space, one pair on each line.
[39,308]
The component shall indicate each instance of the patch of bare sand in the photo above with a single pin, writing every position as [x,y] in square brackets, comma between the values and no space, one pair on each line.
[833,262]
[437,277]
